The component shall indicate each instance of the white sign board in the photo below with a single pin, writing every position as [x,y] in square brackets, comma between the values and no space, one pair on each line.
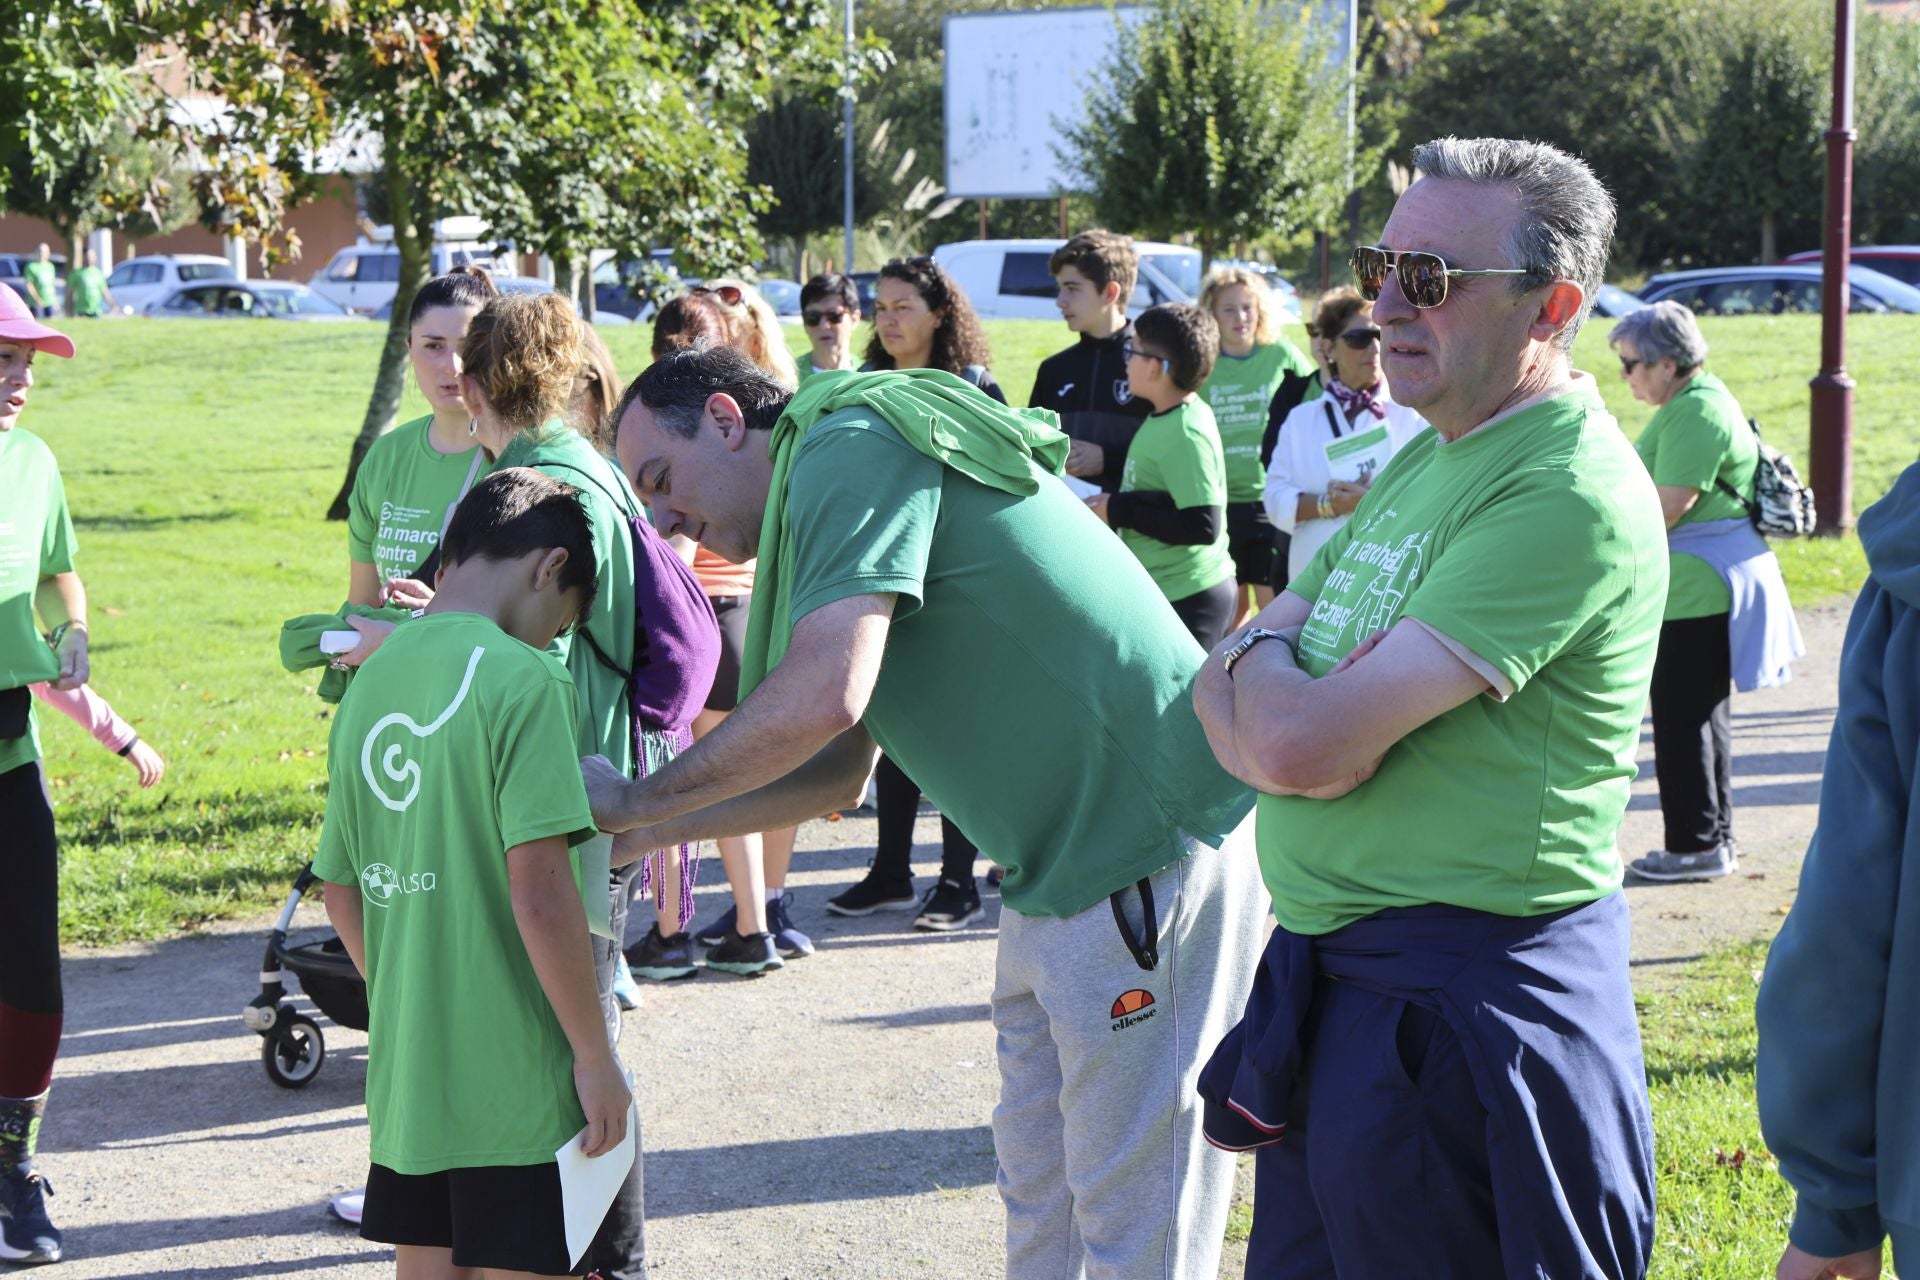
[1015,81]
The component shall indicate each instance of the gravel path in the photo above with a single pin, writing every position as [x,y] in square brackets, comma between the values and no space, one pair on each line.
[830,1120]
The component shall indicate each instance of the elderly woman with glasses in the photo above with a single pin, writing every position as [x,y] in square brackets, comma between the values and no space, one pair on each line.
[1330,448]
[1727,618]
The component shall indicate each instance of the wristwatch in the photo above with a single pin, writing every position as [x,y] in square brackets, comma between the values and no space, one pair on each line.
[1253,638]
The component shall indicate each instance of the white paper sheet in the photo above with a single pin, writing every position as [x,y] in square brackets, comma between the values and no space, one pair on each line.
[1081,489]
[588,1186]
[596,865]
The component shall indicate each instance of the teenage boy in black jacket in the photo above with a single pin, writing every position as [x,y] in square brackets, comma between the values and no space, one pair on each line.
[1087,383]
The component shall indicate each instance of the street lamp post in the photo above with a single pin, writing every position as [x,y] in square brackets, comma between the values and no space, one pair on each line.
[1830,446]
[846,152]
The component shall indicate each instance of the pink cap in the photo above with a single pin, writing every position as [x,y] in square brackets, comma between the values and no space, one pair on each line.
[18,325]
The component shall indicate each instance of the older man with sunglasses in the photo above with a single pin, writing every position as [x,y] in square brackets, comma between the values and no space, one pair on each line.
[1439,1063]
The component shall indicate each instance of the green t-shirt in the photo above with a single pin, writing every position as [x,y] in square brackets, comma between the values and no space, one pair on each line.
[454,744]
[41,276]
[1240,392]
[1697,438]
[89,285]
[1536,543]
[36,540]
[1036,685]
[1178,452]
[605,719]
[401,497]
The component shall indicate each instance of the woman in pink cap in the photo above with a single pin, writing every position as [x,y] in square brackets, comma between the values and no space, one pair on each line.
[36,576]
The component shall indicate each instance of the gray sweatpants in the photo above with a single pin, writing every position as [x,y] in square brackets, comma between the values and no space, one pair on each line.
[1103,1168]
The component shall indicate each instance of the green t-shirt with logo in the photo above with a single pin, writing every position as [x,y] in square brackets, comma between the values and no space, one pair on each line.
[1696,440]
[1536,543]
[41,276]
[401,496]
[454,744]
[1240,391]
[1035,684]
[604,711]
[1178,452]
[89,285]
[36,540]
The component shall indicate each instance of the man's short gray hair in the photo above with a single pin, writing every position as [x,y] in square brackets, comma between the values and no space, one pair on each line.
[1663,331]
[1566,214]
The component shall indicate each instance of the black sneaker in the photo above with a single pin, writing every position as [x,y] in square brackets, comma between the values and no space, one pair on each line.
[950,906]
[659,959]
[790,942]
[26,1233]
[747,956]
[872,895]
[712,935]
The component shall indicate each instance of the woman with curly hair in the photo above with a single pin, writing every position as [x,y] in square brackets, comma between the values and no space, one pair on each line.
[922,320]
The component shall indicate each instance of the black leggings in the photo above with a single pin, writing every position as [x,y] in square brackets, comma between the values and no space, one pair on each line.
[30,1003]
[1693,732]
[1207,614]
[899,806]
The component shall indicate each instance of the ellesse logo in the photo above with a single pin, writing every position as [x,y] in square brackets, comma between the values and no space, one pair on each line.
[1132,1007]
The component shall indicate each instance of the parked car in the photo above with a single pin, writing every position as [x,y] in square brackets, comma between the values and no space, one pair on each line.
[140,282]
[246,300]
[782,295]
[362,276]
[13,273]
[1901,261]
[1008,279]
[1741,291]
[1611,302]
[511,284]
[611,294]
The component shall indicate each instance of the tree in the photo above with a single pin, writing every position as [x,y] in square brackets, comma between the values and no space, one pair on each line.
[1758,163]
[1224,118]
[567,125]
[795,151]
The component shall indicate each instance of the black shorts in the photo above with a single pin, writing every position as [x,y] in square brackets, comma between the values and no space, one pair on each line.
[732,613]
[504,1217]
[1250,543]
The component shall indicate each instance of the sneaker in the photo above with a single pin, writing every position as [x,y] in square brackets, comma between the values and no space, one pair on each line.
[26,1234]
[749,955]
[659,959]
[872,895]
[347,1206]
[626,992]
[1661,865]
[789,941]
[950,905]
[714,934]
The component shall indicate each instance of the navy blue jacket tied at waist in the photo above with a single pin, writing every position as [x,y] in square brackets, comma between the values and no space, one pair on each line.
[1543,1009]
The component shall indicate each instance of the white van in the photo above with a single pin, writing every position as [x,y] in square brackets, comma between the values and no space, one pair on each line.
[1009,280]
[365,277]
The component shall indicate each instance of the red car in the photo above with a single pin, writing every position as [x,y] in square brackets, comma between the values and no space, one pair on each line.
[1901,261]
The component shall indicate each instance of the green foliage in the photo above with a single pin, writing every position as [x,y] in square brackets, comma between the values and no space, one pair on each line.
[795,150]
[1886,169]
[1222,118]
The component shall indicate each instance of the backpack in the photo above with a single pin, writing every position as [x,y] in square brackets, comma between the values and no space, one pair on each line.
[1783,504]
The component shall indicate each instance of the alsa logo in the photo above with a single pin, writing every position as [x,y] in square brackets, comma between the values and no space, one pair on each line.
[1133,1007]
[382,883]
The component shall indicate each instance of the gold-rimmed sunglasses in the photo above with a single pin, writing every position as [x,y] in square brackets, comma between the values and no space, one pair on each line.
[1422,276]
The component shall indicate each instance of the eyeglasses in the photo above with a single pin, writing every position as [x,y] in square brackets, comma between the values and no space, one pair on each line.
[1628,366]
[1128,351]
[1422,276]
[1360,339]
[726,293]
[822,317]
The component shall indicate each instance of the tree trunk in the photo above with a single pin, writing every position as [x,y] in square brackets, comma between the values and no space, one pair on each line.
[1208,242]
[1769,233]
[800,259]
[413,216]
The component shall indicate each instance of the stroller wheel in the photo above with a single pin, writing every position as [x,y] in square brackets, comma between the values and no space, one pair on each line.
[292,1054]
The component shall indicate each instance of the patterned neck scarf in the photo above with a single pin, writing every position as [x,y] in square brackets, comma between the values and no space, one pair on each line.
[1353,403]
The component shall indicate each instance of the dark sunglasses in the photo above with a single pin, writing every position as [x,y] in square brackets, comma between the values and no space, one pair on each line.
[1360,339]
[1422,276]
[1128,351]
[822,317]
[726,293]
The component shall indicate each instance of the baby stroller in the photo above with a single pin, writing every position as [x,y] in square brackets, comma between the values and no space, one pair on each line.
[293,1048]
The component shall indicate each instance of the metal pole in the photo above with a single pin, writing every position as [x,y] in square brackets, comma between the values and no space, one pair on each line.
[1830,445]
[846,153]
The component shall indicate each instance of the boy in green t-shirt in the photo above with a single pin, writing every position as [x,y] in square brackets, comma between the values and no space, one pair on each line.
[1170,509]
[454,795]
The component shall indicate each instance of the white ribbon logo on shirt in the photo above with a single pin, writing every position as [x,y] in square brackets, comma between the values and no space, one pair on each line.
[408,771]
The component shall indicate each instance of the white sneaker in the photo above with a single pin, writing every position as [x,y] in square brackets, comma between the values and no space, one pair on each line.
[1711,864]
[347,1206]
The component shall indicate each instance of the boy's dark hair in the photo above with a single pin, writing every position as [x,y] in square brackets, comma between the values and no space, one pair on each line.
[517,511]
[1186,335]
[959,342]
[468,286]
[677,385]
[830,287]
[1103,258]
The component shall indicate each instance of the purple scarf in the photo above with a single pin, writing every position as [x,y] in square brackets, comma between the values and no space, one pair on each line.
[1353,403]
